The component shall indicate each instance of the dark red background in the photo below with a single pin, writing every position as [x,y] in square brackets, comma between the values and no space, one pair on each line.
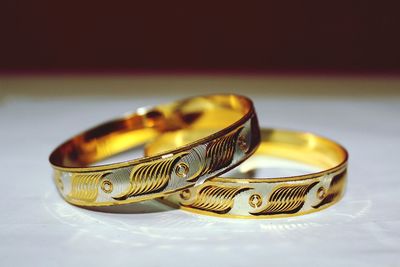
[343,36]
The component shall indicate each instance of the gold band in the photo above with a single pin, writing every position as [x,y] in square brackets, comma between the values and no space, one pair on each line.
[218,123]
[269,197]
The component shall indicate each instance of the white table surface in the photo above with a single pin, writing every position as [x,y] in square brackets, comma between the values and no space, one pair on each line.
[37,228]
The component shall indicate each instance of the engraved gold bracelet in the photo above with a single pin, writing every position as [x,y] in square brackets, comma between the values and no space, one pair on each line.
[268,197]
[226,131]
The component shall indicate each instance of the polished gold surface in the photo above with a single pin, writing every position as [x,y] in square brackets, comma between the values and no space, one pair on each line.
[224,131]
[268,197]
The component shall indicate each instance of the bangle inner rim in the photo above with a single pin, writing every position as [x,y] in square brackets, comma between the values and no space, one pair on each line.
[111,138]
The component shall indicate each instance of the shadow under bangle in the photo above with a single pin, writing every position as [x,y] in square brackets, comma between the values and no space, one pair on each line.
[235,133]
[271,197]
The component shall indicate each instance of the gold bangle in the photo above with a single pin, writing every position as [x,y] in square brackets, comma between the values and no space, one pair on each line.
[235,131]
[269,197]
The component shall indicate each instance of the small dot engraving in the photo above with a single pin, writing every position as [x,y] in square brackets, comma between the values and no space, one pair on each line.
[185,194]
[321,192]
[182,170]
[242,143]
[107,186]
[59,181]
[255,200]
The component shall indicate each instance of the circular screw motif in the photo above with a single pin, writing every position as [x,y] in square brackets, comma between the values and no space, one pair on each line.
[255,200]
[107,186]
[182,169]
[321,192]
[242,142]
[185,194]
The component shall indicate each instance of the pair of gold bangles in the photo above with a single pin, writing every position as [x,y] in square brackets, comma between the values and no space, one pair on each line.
[188,144]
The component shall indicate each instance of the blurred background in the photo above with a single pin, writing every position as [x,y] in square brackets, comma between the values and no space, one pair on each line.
[338,37]
[97,48]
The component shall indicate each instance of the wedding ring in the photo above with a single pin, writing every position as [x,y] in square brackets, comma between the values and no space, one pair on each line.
[269,197]
[224,131]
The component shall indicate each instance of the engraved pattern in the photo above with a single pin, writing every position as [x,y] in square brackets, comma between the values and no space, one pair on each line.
[154,175]
[255,200]
[335,189]
[216,199]
[107,186]
[196,160]
[286,199]
[84,186]
[220,152]
[58,180]
[151,177]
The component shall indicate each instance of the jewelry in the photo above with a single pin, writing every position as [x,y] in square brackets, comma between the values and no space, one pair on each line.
[270,197]
[224,133]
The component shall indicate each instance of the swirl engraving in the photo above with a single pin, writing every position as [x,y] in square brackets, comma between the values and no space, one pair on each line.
[220,152]
[286,199]
[150,177]
[216,199]
[84,186]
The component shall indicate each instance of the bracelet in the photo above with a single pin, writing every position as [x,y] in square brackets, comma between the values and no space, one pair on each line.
[269,197]
[235,132]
